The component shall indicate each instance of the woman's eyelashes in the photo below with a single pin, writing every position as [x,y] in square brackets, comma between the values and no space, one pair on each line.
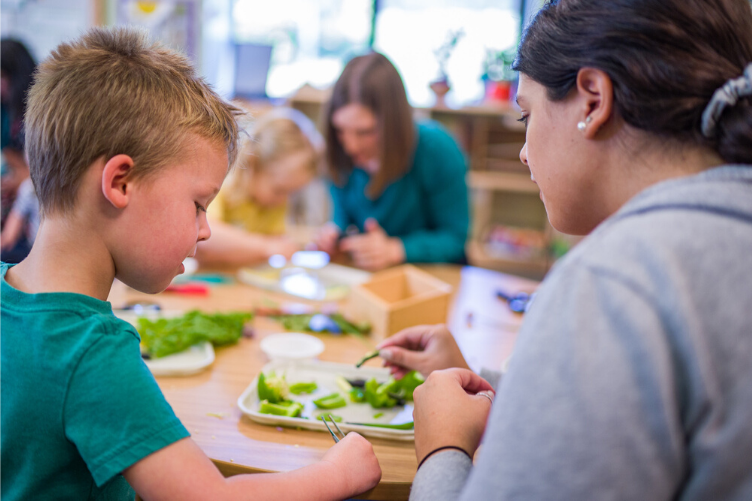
[523,119]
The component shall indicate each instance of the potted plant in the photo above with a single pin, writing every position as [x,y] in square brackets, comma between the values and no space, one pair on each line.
[441,85]
[498,74]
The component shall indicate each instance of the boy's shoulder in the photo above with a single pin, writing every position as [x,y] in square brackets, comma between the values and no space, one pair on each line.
[54,317]
[102,408]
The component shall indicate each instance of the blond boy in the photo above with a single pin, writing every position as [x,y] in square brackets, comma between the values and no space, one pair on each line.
[127,148]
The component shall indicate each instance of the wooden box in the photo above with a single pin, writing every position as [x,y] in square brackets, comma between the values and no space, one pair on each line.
[398,298]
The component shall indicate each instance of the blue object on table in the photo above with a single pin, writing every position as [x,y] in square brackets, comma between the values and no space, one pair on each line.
[142,307]
[518,303]
[320,323]
[209,278]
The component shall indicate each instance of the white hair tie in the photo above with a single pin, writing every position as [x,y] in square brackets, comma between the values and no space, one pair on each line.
[725,97]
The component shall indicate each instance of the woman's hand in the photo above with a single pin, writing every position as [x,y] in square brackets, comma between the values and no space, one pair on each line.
[449,411]
[374,250]
[355,464]
[326,238]
[424,348]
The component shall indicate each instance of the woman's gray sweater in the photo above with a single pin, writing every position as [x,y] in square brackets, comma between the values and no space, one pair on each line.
[632,374]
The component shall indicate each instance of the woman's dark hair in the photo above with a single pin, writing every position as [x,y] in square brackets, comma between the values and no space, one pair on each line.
[372,81]
[665,58]
[18,66]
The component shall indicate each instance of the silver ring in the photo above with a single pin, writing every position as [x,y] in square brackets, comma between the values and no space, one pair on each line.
[485,394]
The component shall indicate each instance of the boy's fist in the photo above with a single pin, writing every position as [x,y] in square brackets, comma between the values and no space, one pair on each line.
[355,464]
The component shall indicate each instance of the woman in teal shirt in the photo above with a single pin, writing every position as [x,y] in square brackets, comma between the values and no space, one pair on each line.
[401,184]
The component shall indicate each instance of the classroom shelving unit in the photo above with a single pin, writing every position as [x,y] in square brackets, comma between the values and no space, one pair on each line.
[502,192]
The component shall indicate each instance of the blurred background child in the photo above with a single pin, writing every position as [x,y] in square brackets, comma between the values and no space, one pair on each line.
[16,73]
[21,225]
[279,156]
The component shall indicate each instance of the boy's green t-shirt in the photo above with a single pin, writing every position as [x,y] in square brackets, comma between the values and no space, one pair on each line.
[79,406]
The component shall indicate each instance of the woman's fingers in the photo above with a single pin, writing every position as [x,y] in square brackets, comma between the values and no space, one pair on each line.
[468,380]
[412,338]
[400,356]
[449,411]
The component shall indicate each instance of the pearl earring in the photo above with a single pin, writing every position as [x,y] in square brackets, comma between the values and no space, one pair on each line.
[581,126]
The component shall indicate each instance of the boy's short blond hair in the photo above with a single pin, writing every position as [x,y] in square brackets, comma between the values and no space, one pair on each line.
[113,92]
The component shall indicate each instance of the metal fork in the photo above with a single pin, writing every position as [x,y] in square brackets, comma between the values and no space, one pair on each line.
[334,436]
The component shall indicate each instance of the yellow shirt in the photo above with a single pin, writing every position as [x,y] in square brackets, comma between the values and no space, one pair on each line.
[249,216]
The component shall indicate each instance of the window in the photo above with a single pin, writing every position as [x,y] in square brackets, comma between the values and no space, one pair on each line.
[312,39]
[409,31]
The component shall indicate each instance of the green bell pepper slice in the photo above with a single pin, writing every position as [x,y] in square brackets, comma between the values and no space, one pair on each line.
[378,395]
[333,401]
[287,408]
[299,388]
[272,388]
[409,382]
[357,395]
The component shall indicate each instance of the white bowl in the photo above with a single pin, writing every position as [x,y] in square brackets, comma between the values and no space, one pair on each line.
[291,346]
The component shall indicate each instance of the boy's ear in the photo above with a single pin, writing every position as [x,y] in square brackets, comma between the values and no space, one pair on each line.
[116,184]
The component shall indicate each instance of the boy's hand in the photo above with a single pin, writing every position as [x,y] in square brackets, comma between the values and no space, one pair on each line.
[326,238]
[374,250]
[449,411]
[354,464]
[424,348]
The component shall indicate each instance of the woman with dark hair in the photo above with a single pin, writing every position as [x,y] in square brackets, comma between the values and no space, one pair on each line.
[401,184]
[631,374]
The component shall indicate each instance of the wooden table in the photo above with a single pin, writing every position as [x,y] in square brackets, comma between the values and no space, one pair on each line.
[206,403]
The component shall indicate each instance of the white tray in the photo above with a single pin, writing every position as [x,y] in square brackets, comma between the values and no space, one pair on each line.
[185,363]
[324,373]
[330,283]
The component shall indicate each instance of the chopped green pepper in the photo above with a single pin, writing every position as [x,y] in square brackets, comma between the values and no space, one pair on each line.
[368,356]
[409,382]
[272,388]
[350,327]
[333,401]
[299,388]
[378,395]
[343,384]
[357,395]
[378,415]
[302,323]
[287,408]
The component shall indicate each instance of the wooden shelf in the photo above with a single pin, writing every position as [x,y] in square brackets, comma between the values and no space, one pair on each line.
[491,110]
[501,181]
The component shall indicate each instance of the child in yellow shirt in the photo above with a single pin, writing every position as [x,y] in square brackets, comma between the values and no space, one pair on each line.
[278,156]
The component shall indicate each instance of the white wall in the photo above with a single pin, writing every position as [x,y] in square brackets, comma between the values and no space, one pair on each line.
[42,24]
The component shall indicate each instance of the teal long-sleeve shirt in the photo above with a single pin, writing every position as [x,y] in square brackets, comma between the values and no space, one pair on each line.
[427,208]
